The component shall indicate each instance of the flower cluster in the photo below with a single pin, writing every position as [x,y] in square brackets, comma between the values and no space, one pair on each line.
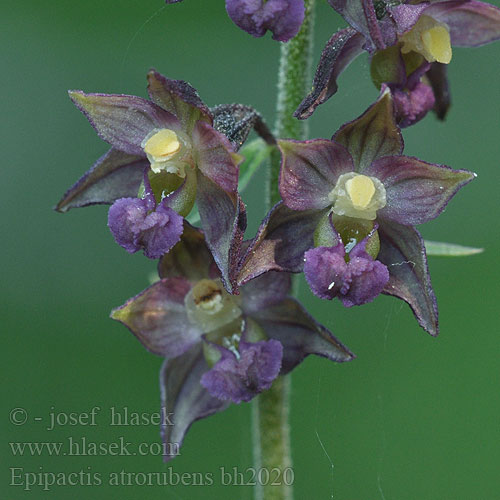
[221,314]
[409,43]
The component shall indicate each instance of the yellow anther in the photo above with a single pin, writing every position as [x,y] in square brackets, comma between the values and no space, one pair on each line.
[361,190]
[429,38]
[163,144]
[437,42]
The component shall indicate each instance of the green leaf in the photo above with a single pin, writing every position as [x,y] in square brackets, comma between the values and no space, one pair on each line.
[438,248]
[255,153]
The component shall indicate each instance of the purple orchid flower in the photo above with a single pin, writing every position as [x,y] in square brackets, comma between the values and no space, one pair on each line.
[219,348]
[357,190]
[282,17]
[172,138]
[410,45]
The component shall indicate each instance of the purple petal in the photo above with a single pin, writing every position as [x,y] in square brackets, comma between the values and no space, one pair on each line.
[283,238]
[471,23]
[223,221]
[115,175]
[241,378]
[290,324]
[190,258]
[135,226]
[282,17]
[265,291]
[179,98]
[161,230]
[125,218]
[309,172]
[215,157]
[356,282]
[405,16]
[342,48]
[439,83]
[368,278]
[183,398]
[122,120]
[402,250]
[373,135]
[412,105]
[416,191]
[326,271]
[157,317]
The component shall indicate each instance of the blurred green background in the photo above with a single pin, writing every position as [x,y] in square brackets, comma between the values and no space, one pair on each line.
[411,418]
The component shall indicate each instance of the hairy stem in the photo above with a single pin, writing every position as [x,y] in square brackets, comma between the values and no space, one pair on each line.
[271,432]
[294,79]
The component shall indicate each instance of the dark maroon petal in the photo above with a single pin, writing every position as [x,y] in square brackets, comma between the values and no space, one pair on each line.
[190,258]
[342,48]
[115,175]
[223,221]
[416,191]
[439,83]
[373,135]
[215,157]
[412,105]
[265,291]
[309,172]
[183,398]
[326,271]
[361,15]
[123,120]
[241,378]
[157,317]
[178,98]
[471,23]
[283,238]
[282,17]
[289,323]
[402,250]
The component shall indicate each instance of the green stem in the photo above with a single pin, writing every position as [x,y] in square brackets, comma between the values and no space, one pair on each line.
[271,432]
[294,79]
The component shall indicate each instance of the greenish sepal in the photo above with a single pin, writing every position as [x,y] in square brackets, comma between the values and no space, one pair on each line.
[254,333]
[386,66]
[163,183]
[325,235]
[413,61]
[351,231]
[211,354]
